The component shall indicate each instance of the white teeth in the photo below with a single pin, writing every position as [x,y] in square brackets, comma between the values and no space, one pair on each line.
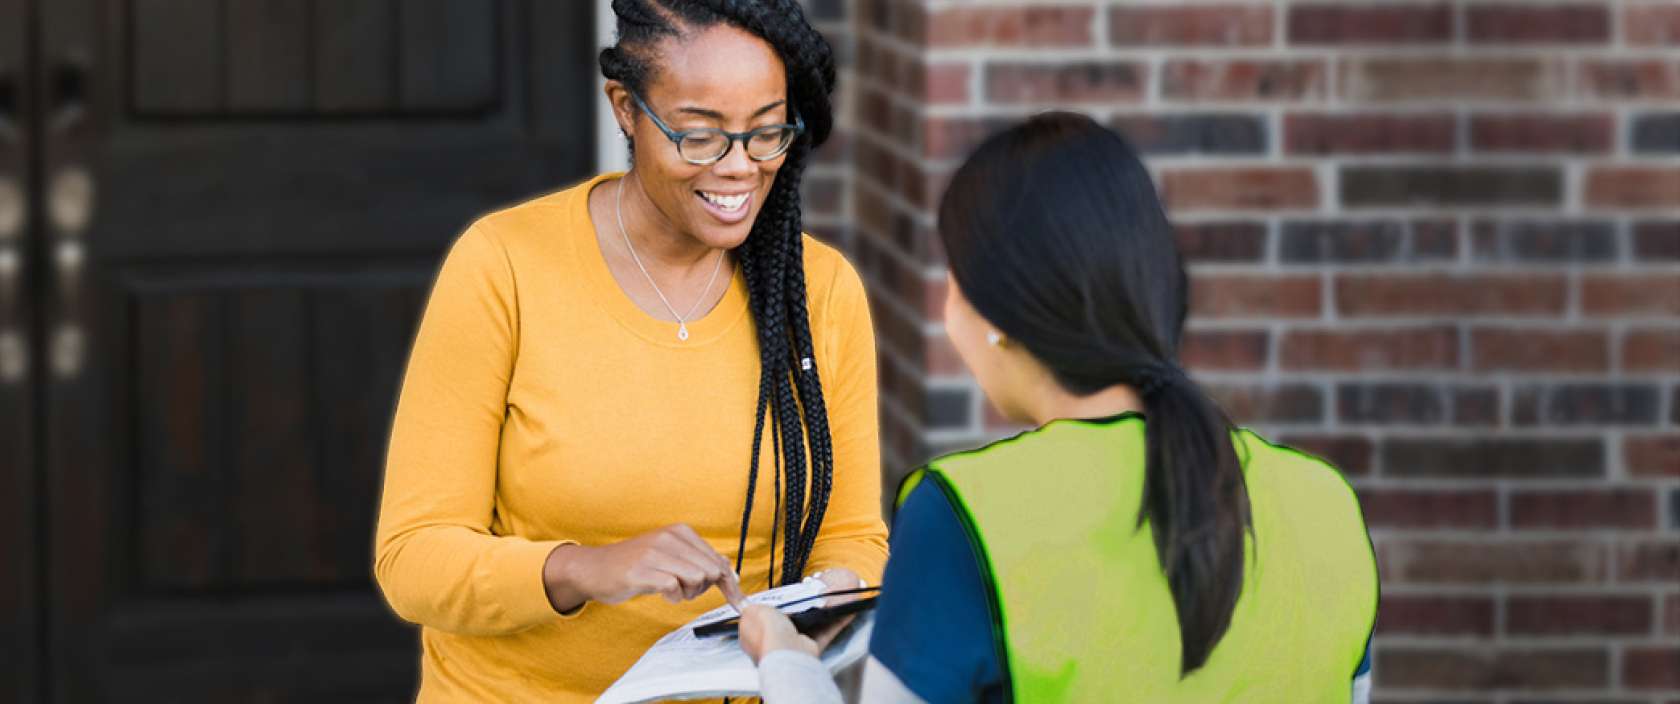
[727,203]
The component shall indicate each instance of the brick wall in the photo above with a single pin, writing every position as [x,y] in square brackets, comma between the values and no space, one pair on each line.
[828,180]
[1435,242]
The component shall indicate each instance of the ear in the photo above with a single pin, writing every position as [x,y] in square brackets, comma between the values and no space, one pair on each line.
[623,107]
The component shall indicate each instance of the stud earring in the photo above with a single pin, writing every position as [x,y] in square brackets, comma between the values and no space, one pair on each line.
[993,339]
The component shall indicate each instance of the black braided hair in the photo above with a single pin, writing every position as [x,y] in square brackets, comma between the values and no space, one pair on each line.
[772,258]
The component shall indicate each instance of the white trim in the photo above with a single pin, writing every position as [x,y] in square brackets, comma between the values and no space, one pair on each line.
[610,154]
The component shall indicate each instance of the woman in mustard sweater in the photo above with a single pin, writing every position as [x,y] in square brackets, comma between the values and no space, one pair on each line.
[642,385]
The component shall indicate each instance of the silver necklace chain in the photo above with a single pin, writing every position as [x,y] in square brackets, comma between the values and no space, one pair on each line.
[682,320]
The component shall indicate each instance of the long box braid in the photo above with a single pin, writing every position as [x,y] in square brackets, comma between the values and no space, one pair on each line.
[771,260]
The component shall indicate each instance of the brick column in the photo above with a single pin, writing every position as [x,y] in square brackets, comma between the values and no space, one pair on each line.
[1435,242]
[828,180]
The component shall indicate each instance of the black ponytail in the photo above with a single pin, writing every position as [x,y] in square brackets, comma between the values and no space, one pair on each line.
[1056,236]
[772,259]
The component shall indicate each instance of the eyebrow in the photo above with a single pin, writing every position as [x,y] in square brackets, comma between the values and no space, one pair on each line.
[715,115]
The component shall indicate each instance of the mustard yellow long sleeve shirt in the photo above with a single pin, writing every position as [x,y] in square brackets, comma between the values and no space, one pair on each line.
[542,406]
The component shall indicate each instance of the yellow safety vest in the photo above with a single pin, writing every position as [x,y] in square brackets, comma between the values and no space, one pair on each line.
[1081,605]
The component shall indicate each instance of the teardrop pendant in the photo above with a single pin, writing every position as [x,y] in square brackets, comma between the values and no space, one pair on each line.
[682,331]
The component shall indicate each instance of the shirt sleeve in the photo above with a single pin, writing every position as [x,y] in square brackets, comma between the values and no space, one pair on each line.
[437,560]
[1362,678]
[852,535]
[789,676]
[933,629]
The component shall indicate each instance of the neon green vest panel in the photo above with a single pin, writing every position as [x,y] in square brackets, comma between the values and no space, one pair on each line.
[1081,601]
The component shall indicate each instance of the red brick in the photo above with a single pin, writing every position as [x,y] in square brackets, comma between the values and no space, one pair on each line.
[1236,241]
[1399,79]
[1633,187]
[942,357]
[1476,509]
[1368,133]
[1584,508]
[925,187]
[1483,668]
[942,83]
[1286,403]
[1070,82]
[1035,26]
[1491,456]
[1435,615]
[1652,456]
[822,195]
[894,333]
[1241,189]
[952,137]
[1657,241]
[1199,25]
[1440,294]
[1370,350]
[1476,406]
[1393,185]
[1491,561]
[1651,351]
[1243,79]
[1581,134]
[1531,350]
[1512,23]
[1224,296]
[1349,454]
[932,299]
[1321,23]
[1630,78]
[1651,23]
[1548,241]
[1194,132]
[1225,350]
[1630,294]
[1649,561]
[994,422]
[1651,668]
[1401,403]
[1578,615]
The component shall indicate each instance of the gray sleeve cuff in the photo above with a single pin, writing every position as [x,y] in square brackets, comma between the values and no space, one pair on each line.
[788,676]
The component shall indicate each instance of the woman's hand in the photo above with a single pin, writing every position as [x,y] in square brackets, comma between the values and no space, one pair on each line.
[672,561]
[837,579]
[764,629]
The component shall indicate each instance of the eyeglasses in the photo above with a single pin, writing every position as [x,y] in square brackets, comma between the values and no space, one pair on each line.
[706,145]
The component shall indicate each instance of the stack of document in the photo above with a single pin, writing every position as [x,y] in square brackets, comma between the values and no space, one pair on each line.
[682,666]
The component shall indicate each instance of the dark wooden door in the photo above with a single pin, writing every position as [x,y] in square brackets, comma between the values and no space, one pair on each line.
[20,551]
[242,203]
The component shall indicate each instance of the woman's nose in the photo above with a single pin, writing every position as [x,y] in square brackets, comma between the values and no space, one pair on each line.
[736,163]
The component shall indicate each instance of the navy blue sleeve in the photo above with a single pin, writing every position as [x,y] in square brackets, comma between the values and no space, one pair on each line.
[933,625]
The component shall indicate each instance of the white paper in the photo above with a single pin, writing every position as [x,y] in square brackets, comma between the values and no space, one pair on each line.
[682,666]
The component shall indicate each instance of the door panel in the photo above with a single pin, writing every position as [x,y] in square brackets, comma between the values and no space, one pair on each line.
[19,488]
[371,58]
[247,200]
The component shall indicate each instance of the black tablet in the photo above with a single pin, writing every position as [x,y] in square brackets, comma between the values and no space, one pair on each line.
[806,622]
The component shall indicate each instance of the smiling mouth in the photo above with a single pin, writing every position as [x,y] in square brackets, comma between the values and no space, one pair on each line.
[728,203]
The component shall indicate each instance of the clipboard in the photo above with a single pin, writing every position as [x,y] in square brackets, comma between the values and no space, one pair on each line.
[806,622]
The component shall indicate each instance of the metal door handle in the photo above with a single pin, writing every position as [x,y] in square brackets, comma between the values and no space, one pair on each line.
[8,105]
[70,201]
[69,93]
[14,349]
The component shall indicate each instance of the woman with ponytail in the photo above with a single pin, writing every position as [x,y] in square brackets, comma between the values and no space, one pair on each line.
[649,384]
[1134,546]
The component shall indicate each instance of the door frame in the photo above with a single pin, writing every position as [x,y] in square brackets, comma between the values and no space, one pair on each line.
[21,555]
[74,501]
